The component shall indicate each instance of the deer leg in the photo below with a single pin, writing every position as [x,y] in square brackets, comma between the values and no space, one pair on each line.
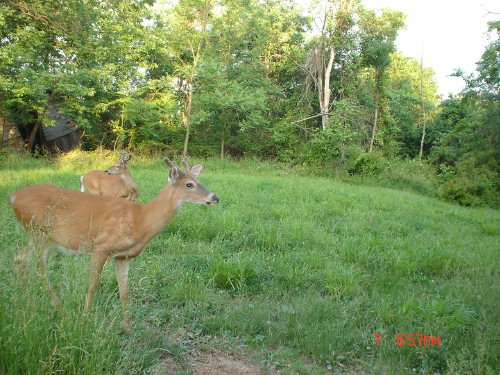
[121,270]
[42,246]
[44,266]
[21,258]
[97,263]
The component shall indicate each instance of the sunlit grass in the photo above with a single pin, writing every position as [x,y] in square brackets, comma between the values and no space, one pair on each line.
[299,268]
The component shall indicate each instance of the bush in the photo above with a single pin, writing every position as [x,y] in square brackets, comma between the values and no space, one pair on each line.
[367,164]
[470,184]
[331,145]
[409,175]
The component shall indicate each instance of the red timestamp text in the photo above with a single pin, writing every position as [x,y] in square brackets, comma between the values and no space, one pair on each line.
[412,339]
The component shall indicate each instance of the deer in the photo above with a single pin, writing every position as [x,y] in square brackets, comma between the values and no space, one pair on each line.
[115,181]
[106,228]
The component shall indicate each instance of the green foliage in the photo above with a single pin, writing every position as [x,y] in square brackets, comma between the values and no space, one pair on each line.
[412,90]
[488,67]
[331,145]
[339,143]
[283,142]
[380,32]
[81,56]
[367,164]
[471,183]
[467,150]
[405,175]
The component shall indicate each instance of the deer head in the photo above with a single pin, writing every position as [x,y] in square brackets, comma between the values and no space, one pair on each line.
[186,182]
[122,166]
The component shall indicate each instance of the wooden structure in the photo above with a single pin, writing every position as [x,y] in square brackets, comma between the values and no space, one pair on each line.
[9,134]
[62,136]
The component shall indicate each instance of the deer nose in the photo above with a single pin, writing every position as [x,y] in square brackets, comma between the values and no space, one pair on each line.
[215,199]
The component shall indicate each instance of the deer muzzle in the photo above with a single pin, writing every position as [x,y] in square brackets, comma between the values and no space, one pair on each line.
[214,199]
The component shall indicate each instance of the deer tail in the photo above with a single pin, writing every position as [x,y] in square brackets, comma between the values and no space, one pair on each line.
[82,185]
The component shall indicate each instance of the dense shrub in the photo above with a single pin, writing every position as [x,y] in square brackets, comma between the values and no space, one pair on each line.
[470,183]
[367,164]
[331,145]
[409,175]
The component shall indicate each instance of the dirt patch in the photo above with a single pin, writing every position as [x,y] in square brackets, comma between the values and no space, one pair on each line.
[212,362]
[209,355]
[220,363]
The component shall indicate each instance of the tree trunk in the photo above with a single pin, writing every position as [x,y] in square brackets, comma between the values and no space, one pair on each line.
[325,103]
[423,105]
[319,66]
[187,118]
[222,142]
[196,57]
[323,81]
[375,120]
[32,138]
[422,142]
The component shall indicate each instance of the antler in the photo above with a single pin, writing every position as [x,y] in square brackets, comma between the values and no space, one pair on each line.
[170,163]
[125,156]
[185,163]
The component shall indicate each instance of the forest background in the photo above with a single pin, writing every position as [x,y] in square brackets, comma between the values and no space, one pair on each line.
[256,79]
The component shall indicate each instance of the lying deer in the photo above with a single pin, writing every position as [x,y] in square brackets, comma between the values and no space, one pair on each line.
[105,227]
[114,182]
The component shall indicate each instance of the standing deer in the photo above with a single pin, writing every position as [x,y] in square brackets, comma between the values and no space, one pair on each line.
[114,182]
[105,227]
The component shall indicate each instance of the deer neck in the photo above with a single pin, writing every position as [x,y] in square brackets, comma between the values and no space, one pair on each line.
[161,210]
[127,179]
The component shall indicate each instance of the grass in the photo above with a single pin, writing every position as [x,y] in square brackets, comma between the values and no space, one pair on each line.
[300,271]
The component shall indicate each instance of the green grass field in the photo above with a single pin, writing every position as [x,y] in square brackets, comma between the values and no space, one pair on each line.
[289,274]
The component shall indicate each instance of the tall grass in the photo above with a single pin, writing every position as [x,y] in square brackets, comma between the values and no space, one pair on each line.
[304,270]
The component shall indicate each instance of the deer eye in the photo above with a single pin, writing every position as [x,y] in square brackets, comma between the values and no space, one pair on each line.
[190,185]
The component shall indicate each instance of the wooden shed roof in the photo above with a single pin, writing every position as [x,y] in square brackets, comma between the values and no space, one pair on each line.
[63,124]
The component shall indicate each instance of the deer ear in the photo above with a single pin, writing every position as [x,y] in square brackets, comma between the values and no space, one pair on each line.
[174,171]
[174,174]
[195,171]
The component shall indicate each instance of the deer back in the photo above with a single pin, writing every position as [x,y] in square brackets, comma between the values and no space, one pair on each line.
[75,220]
[119,185]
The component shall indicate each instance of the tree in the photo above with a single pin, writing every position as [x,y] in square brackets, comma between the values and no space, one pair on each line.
[410,90]
[379,35]
[233,85]
[287,99]
[334,23]
[186,27]
[84,55]
[467,152]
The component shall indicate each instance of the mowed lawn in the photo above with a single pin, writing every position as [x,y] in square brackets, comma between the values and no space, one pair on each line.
[295,274]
